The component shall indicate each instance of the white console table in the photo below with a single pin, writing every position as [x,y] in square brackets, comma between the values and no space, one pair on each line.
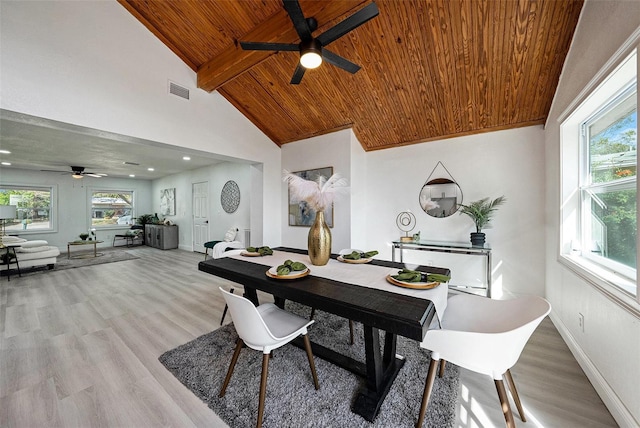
[448,247]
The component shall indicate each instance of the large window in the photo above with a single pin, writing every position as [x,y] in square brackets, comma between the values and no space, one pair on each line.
[608,184]
[599,181]
[33,208]
[111,208]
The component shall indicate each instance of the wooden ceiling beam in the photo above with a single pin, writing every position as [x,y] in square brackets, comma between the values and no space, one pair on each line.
[234,61]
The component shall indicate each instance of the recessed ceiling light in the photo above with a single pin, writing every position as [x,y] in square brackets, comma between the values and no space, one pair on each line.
[6,163]
[5,152]
[132,175]
[150,169]
[186,158]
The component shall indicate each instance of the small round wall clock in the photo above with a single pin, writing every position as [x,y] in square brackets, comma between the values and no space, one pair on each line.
[230,196]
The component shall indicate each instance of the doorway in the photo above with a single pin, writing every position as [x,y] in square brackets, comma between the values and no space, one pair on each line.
[200,192]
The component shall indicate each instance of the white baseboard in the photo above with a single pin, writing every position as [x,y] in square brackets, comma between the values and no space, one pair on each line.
[618,410]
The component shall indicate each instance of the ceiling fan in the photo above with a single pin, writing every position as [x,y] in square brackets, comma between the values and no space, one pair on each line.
[78,172]
[312,49]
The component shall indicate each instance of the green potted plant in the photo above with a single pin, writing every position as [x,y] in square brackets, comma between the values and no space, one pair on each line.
[481,212]
[144,219]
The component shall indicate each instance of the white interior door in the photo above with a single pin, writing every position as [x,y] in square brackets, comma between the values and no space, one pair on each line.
[200,193]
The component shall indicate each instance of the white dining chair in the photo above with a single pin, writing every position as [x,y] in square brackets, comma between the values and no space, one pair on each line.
[264,328]
[486,336]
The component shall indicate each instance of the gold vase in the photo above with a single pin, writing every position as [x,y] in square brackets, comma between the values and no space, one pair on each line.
[319,241]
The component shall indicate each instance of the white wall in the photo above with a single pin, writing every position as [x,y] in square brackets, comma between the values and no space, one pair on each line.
[93,64]
[358,192]
[385,182]
[219,220]
[319,152]
[508,163]
[73,202]
[609,348]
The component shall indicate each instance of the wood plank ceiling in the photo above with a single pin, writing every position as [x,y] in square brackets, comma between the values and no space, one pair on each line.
[431,69]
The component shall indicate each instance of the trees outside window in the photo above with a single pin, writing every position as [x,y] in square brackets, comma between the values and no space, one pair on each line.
[111,207]
[608,184]
[33,208]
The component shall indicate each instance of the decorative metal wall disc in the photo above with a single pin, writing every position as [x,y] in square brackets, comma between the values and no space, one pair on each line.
[230,196]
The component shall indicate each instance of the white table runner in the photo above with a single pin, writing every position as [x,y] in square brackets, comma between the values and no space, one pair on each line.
[363,274]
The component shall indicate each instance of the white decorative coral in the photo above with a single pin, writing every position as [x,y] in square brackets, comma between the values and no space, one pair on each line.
[318,194]
[427,203]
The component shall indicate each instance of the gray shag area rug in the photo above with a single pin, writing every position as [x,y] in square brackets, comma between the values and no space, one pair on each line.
[291,399]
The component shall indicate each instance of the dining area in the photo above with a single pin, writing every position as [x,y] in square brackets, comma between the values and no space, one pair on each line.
[391,365]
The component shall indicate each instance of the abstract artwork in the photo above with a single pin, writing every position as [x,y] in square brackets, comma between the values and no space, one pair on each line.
[168,201]
[300,213]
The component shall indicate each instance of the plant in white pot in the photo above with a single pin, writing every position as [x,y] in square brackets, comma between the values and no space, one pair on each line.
[481,212]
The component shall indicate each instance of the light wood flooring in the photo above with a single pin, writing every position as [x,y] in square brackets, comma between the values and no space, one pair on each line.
[80,347]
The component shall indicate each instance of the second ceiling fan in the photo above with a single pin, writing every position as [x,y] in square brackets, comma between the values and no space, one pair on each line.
[313,49]
[78,172]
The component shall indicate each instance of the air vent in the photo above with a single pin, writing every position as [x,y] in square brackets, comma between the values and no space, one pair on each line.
[178,90]
[130,163]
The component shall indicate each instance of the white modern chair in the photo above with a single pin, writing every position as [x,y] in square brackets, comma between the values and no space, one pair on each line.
[264,328]
[485,336]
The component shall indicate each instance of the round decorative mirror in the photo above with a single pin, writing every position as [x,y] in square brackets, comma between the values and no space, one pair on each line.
[440,197]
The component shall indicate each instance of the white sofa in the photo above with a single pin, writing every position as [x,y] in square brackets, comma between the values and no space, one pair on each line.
[33,253]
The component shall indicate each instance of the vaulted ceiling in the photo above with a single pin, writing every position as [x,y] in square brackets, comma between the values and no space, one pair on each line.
[431,69]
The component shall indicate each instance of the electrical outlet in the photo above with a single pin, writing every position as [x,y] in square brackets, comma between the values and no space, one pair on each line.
[581,322]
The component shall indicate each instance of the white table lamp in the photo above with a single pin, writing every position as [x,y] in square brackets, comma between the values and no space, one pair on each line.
[7,212]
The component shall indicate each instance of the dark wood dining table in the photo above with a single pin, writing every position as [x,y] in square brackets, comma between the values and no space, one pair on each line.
[378,310]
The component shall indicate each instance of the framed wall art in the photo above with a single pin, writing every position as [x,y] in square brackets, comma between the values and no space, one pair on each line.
[168,201]
[300,213]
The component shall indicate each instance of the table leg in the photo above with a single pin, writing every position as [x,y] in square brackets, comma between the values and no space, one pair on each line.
[381,372]
[95,249]
[15,256]
[8,260]
[68,251]
[251,294]
[489,275]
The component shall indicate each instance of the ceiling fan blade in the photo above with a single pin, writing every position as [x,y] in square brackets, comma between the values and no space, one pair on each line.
[260,46]
[56,170]
[339,61]
[297,17]
[297,75]
[360,17]
[91,174]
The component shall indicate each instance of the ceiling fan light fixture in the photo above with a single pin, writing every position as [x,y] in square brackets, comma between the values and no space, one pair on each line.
[76,175]
[310,54]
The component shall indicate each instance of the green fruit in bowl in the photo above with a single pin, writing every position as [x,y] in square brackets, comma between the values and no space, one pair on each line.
[283,270]
[298,266]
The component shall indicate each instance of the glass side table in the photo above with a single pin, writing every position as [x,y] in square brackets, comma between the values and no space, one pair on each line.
[448,247]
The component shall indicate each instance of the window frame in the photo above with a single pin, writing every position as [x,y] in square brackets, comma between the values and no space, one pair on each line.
[617,75]
[92,190]
[53,208]
[586,185]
